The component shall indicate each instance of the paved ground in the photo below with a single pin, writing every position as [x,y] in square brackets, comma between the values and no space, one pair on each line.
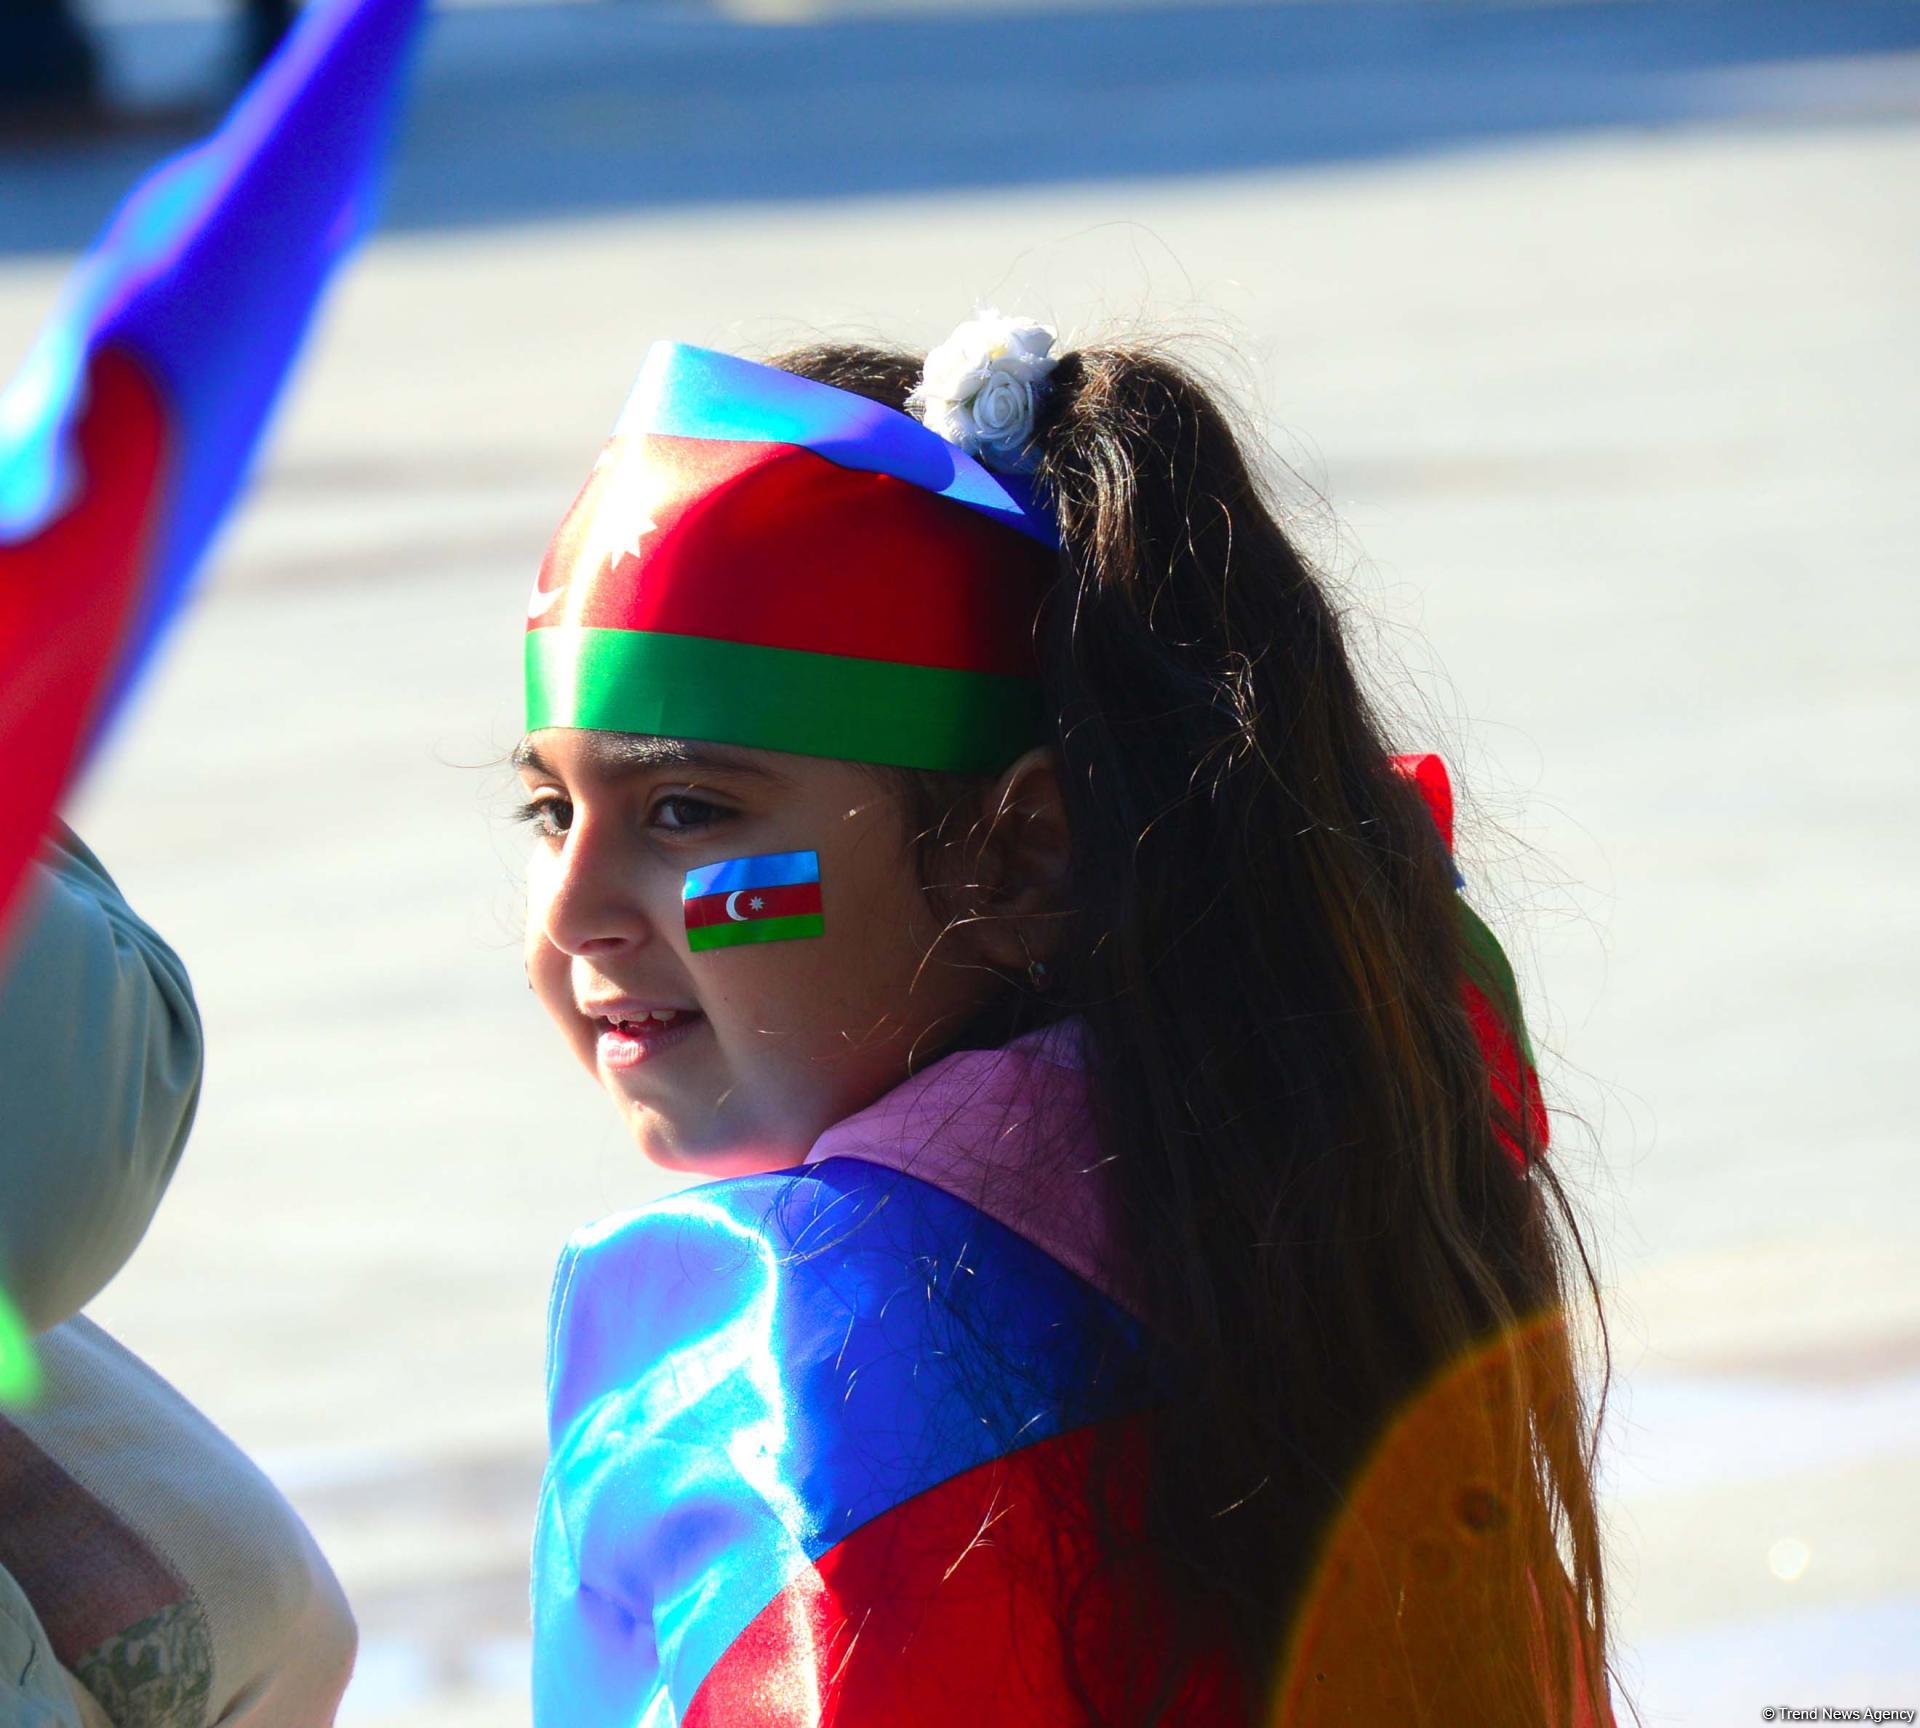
[1614,431]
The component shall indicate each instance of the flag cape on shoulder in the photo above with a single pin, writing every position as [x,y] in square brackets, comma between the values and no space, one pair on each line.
[785,1412]
[133,421]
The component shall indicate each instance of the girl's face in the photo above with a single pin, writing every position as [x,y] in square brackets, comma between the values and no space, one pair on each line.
[791,1036]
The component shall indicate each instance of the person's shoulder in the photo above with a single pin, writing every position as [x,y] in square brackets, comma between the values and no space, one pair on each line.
[688,1252]
[736,1222]
[799,1217]
[634,1288]
[804,1265]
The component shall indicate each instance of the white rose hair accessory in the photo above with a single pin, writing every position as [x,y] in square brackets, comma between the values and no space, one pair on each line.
[983,387]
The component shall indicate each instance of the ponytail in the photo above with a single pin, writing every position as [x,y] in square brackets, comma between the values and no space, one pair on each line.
[1314,1166]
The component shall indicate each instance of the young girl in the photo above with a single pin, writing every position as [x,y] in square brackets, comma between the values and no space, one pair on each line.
[1127,1289]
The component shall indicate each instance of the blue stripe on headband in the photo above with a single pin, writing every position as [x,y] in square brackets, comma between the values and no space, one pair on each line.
[687,392]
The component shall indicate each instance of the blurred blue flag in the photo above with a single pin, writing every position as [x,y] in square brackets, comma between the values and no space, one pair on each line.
[134,419]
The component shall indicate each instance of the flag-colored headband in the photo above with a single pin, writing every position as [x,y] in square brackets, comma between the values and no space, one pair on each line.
[763,560]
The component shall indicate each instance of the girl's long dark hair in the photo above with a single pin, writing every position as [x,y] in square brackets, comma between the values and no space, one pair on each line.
[1262,936]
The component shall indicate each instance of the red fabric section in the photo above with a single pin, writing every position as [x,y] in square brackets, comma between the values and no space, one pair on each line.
[945,1612]
[1429,776]
[787,900]
[65,599]
[1512,1080]
[774,545]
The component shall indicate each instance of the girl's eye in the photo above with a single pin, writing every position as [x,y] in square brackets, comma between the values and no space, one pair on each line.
[705,814]
[548,817]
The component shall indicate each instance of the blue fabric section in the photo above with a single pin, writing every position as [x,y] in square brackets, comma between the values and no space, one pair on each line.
[745,1373]
[208,274]
[772,870]
[687,392]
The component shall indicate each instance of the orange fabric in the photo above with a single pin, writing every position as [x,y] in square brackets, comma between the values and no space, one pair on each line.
[1411,1615]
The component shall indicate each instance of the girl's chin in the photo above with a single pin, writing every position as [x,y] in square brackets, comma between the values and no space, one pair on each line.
[681,1156]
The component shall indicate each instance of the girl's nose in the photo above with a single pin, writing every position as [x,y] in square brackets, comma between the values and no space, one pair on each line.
[593,904]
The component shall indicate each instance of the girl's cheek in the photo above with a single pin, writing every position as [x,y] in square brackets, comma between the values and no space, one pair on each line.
[549,971]
[535,940]
[544,880]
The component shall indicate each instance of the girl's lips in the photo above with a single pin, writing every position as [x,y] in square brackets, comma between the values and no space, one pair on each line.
[627,1046]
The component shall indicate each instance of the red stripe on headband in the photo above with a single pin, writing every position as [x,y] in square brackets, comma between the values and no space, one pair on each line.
[773,545]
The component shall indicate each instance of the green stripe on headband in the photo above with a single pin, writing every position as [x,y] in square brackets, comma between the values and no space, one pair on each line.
[833,705]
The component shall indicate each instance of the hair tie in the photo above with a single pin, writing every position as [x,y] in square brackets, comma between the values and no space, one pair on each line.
[983,388]
[1487,988]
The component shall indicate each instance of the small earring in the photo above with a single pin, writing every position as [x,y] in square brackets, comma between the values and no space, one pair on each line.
[1037,974]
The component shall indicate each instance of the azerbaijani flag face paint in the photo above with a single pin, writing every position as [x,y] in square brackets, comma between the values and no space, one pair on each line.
[770,898]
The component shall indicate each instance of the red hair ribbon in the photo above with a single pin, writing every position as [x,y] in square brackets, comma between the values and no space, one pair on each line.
[1488,989]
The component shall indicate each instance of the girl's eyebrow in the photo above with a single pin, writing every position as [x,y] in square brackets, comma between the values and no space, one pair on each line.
[625,752]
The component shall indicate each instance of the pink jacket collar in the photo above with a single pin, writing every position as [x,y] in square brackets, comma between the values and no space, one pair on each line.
[1010,1131]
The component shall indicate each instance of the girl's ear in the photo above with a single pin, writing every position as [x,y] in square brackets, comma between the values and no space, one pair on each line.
[1020,870]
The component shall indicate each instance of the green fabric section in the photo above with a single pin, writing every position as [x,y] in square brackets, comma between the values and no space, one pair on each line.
[756,930]
[829,705]
[19,1366]
[1487,966]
